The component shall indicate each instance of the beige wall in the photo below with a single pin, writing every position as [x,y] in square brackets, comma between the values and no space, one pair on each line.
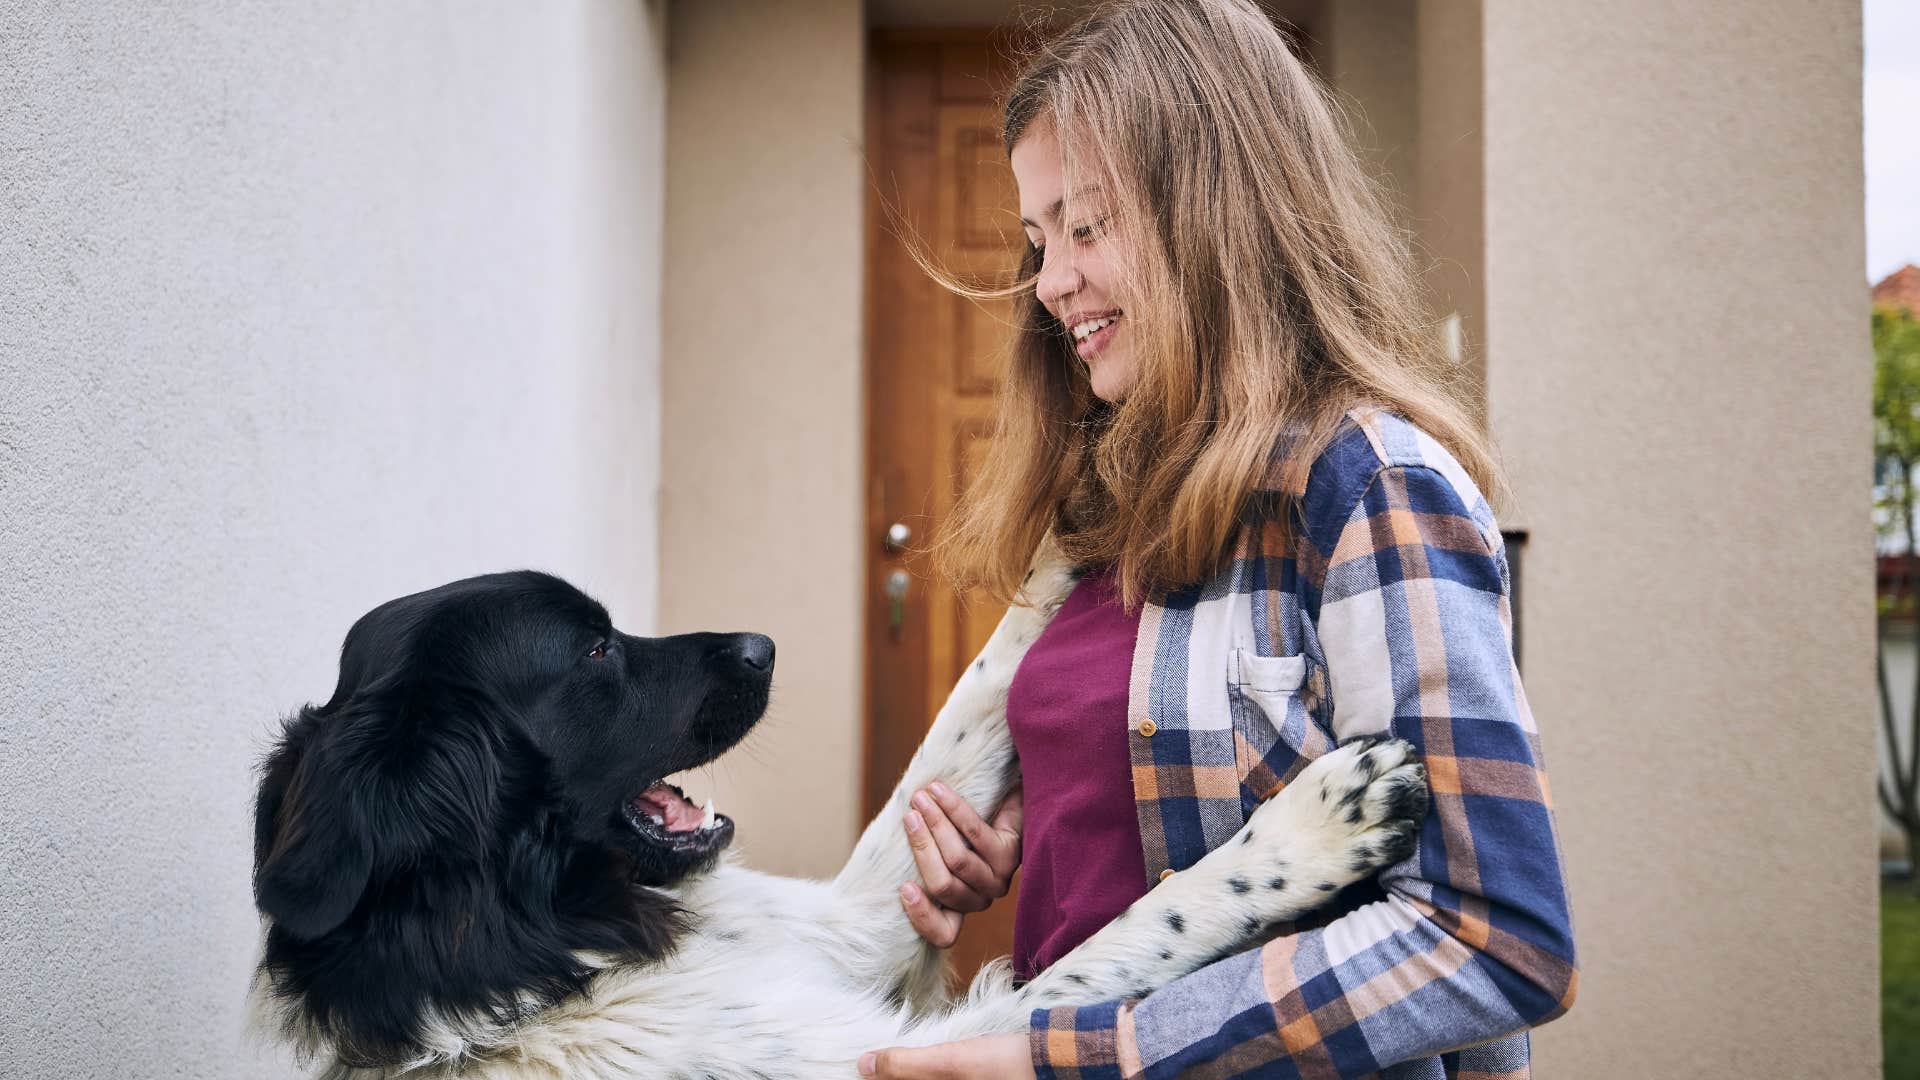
[1368,53]
[1676,334]
[1449,166]
[1609,199]
[761,416]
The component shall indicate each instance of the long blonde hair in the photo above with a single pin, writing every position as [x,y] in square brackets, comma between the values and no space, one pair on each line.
[1265,289]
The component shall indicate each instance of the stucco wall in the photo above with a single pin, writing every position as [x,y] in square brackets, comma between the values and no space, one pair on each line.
[1678,371]
[301,307]
[761,508]
[1368,53]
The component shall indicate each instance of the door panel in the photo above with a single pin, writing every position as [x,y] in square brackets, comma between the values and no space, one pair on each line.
[933,366]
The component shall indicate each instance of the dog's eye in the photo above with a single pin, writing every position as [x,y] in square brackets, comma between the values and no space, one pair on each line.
[598,652]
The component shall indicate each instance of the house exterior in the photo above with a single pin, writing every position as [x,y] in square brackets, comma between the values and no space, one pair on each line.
[1900,289]
[1899,648]
[305,307]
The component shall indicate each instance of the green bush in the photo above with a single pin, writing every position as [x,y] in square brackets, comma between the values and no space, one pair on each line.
[1900,981]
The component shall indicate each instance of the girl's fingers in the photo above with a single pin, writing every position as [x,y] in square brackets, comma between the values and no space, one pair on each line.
[1011,817]
[999,1057]
[939,926]
[904,1063]
[941,883]
[999,847]
[1007,823]
[961,859]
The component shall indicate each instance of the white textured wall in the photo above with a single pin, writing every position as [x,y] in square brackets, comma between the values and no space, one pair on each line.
[301,307]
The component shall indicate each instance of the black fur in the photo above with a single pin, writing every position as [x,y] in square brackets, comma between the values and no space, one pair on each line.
[444,835]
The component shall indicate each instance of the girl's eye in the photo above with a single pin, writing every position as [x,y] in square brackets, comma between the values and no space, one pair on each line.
[598,652]
[1087,232]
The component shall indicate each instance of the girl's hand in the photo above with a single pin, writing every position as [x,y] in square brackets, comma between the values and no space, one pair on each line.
[994,1056]
[965,862]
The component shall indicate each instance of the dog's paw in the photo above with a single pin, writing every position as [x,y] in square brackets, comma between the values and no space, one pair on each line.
[1352,812]
[1051,577]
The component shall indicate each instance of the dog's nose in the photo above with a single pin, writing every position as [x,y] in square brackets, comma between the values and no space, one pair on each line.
[754,650]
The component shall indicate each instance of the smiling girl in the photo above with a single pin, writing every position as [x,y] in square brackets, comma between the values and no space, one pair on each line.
[1225,400]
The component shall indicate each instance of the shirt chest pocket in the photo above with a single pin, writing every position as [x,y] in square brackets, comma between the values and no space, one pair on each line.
[1274,732]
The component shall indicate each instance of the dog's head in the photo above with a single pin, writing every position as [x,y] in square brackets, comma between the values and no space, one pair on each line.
[481,805]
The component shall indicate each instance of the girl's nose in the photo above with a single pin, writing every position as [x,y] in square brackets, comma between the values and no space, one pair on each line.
[1058,280]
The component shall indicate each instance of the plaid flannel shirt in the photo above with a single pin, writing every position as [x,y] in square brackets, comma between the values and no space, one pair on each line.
[1385,608]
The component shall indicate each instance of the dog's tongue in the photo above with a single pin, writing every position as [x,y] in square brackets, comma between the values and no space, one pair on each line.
[673,809]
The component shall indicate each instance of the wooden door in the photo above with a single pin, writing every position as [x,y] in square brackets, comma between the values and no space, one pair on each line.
[933,364]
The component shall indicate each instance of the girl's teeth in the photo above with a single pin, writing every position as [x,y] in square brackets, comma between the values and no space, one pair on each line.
[1088,329]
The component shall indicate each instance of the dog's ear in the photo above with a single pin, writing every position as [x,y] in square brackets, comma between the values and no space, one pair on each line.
[310,863]
[380,785]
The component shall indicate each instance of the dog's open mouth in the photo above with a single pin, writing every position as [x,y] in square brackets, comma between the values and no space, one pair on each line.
[664,817]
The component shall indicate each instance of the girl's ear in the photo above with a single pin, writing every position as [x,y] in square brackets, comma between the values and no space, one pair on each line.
[310,863]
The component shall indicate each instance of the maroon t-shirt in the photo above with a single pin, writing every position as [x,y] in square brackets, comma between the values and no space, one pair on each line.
[1081,863]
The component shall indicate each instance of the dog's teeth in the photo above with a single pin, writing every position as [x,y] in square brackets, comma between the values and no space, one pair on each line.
[707,815]
[657,819]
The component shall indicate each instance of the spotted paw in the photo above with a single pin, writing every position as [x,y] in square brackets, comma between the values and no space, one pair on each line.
[1352,812]
[1051,577]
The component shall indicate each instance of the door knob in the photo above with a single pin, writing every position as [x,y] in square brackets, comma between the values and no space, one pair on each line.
[897,537]
[897,584]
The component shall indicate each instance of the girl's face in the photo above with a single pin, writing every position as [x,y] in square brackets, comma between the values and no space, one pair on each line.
[1074,278]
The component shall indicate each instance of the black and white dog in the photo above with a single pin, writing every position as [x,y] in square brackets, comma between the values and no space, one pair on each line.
[468,865]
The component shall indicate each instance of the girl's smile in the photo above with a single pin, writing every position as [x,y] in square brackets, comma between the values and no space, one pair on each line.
[1092,331]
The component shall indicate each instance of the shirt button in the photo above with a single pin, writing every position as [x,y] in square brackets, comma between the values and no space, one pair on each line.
[1148,727]
[1165,874]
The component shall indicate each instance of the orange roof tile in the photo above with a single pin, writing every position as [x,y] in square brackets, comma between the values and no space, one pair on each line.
[1900,288]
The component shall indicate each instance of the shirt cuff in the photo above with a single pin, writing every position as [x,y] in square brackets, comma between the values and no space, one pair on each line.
[1077,1042]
